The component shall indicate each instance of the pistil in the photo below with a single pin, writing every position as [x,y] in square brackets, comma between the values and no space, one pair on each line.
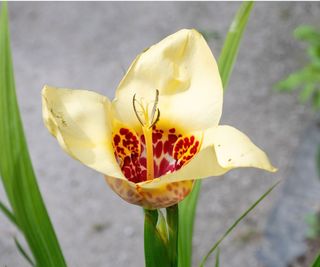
[149,151]
[147,118]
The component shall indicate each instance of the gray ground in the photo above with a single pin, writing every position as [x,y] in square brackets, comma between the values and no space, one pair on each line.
[89,45]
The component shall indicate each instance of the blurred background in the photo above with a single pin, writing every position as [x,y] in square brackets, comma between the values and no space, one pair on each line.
[89,45]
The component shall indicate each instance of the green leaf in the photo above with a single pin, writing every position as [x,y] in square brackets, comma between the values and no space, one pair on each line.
[215,246]
[292,81]
[155,249]
[232,42]
[23,252]
[227,59]
[162,226]
[318,161]
[316,262]
[16,168]
[217,258]
[314,54]
[308,34]
[187,210]
[316,100]
[8,213]
[306,93]
[173,226]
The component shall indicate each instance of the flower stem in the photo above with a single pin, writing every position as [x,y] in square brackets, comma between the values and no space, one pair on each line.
[161,246]
[155,247]
[173,224]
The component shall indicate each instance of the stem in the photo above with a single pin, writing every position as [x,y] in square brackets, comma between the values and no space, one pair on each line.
[155,248]
[173,223]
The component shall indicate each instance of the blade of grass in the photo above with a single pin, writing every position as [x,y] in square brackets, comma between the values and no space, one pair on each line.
[8,213]
[16,168]
[217,264]
[232,42]
[236,223]
[316,262]
[173,227]
[226,61]
[23,252]
[187,210]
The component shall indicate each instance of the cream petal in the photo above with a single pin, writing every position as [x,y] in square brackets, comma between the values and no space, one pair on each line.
[81,122]
[224,148]
[234,149]
[185,72]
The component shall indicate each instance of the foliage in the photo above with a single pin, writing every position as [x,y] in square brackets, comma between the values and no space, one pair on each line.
[316,262]
[226,61]
[27,211]
[313,221]
[306,79]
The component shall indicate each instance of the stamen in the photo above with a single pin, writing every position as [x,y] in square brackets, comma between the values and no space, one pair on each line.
[147,121]
[134,103]
[146,118]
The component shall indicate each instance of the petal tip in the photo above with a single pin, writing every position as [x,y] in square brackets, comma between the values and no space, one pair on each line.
[272,169]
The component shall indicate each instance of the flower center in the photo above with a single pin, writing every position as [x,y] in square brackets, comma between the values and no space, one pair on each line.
[157,150]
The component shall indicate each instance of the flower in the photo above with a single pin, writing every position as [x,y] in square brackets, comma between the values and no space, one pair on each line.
[161,131]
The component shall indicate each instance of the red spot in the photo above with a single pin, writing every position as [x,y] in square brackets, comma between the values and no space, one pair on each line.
[129,135]
[158,149]
[143,175]
[116,139]
[164,164]
[156,137]
[172,138]
[155,169]
[170,149]
[143,162]
[127,172]
[172,130]
[123,131]
[193,150]
[166,147]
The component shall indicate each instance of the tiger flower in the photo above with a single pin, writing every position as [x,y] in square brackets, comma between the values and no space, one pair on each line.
[161,131]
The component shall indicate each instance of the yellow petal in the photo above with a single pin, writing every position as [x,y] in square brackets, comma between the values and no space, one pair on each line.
[234,149]
[224,148]
[185,72]
[80,120]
